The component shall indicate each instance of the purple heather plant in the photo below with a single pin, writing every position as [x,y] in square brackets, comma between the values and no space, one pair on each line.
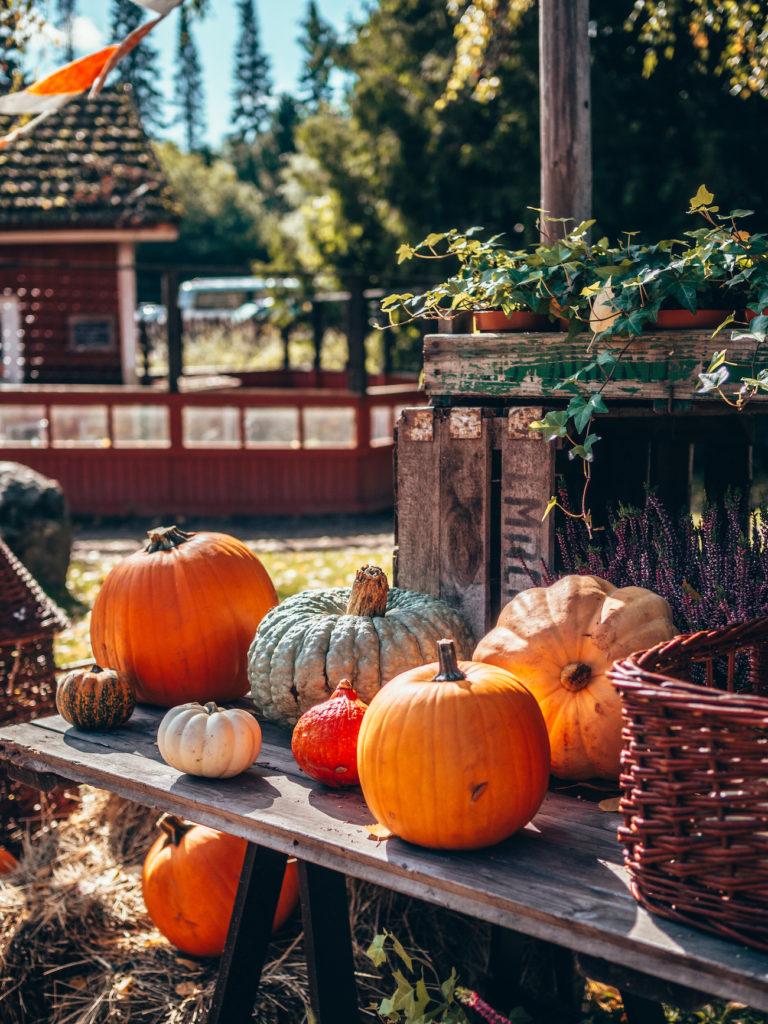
[712,573]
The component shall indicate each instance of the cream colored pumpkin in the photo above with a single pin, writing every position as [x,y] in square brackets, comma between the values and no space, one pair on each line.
[210,741]
[560,641]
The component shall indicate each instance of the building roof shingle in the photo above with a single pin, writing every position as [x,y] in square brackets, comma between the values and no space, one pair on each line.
[89,165]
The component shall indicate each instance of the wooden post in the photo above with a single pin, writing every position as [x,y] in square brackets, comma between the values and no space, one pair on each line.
[565,114]
[318,332]
[174,329]
[356,330]
[286,343]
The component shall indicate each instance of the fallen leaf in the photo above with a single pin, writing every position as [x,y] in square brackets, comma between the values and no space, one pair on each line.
[186,988]
[610,805]
[379,833]
[190,964]
[123,986]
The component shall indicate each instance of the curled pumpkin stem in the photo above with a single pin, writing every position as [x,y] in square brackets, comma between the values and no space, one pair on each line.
[368,595]
[173,827]
[166,538]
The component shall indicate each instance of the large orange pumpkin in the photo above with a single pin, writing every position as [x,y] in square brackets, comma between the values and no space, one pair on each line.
[190,881]
[560,641]
[453,755]
[177,618]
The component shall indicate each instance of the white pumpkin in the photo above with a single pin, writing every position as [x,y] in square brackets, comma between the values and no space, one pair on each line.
[210,741]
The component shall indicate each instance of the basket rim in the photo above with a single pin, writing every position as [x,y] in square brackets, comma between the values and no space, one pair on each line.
[646,673]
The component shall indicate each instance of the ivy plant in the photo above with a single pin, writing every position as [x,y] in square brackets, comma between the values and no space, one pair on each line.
[616,290]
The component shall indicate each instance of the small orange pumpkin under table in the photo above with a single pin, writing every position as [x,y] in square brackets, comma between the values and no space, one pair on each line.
[189,882]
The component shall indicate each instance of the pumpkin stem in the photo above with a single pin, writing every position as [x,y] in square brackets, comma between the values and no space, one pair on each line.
[449,671]
[575,676]
[211,707]
[165,538]
[173,827]
[368,595]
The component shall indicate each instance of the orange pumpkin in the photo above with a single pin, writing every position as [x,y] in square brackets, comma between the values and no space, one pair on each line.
[8,862]
[453,755]
[324,741]
[177,618]
[190,881]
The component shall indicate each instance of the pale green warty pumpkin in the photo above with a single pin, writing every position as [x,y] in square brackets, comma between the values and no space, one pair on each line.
[367,634]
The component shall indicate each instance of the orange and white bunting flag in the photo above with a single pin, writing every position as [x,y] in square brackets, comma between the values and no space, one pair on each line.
[60,87]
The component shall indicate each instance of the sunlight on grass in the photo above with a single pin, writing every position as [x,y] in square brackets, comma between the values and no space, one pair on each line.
[291,571]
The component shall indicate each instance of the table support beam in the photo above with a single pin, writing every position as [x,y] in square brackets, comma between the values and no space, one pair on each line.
[250,932]
[328,945]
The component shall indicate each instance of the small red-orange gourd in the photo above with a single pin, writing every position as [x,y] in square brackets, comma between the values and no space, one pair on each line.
[324,741]
[177,618]
[453,755]
[8,862]
[190,881]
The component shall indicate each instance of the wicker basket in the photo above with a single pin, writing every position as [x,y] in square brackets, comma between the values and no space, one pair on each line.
[694,779]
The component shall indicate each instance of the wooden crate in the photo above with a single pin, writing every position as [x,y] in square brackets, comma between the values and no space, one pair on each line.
[472,481]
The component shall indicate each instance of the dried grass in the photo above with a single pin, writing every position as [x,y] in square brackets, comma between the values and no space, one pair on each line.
[76,945]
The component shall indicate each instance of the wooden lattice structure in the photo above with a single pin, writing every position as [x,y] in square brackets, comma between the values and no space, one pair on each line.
[28,624]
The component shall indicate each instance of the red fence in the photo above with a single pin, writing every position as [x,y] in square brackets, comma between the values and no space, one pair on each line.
[240,451]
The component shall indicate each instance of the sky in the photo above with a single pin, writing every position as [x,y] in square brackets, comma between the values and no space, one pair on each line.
[279,21]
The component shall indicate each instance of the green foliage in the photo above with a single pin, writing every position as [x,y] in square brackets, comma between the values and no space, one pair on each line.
[618,290]
[318,42]
[189,95]
[337,217]
[252,81]
[140,68]
[419,997]
[221,216]
[18,22]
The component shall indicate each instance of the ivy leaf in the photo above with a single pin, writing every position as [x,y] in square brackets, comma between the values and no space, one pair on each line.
[376,952]
[399,949]
[713,381]
[431,240]
[405,252]
[551,506]
[701,200]
[685,293]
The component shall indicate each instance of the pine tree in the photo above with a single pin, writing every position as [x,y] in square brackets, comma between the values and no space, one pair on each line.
[189,94]
[139,68]
[318,41]
[252,77]
[66,11]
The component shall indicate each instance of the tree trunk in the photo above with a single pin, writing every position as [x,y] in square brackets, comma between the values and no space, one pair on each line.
[565,111]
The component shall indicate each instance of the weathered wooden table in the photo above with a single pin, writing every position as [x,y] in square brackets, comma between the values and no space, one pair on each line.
[560,880]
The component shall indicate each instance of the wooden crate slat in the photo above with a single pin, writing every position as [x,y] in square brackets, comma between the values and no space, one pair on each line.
[664,365]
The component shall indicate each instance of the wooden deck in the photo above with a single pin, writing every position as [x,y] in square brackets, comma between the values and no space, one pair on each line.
[561,879]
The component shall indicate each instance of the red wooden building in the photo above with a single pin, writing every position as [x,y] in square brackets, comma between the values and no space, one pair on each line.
[76,196]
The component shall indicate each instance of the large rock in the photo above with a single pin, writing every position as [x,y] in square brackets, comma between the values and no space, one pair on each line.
[35,524]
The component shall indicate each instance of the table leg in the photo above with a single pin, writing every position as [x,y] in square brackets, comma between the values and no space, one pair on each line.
[328,945]
[640,1010]
[250,931]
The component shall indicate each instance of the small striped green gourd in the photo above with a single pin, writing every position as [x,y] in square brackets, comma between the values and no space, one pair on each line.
[368,634]
[95,698]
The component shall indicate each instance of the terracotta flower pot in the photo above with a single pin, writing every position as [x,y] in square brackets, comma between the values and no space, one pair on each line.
[682,320]
[493,320]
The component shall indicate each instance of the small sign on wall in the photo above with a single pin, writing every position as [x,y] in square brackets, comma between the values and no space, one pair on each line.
[94,333]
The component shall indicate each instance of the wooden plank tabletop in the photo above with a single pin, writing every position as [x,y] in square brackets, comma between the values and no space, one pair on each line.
[660,365]
[561,879]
